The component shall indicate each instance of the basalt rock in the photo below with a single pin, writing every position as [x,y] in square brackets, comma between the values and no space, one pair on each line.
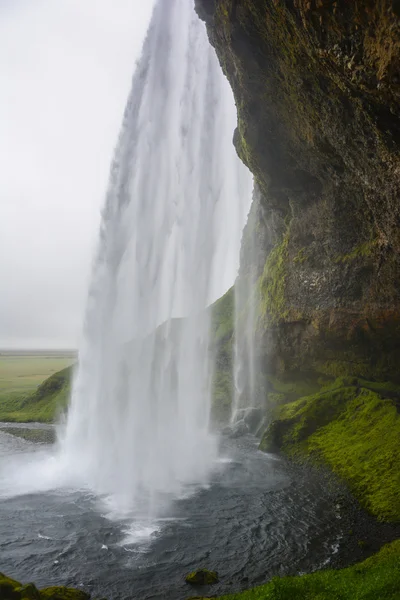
[317,89]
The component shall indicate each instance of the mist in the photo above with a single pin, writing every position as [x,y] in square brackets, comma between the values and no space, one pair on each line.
[65,72]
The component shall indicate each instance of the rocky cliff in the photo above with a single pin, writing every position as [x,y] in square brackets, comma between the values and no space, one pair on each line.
[317,89]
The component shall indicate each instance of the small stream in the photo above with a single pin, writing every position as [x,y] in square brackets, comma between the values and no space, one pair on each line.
[257,518]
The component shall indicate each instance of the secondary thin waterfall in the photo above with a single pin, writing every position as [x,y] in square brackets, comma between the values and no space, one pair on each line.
[138,424]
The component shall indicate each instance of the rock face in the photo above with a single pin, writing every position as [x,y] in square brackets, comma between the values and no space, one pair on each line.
[317,88]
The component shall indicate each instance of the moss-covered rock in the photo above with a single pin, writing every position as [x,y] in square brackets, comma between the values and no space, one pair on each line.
[222,327]
[8,588]
[29,592]
[317,92]
[63,593]
[13,590]
[202,577]
[355,431]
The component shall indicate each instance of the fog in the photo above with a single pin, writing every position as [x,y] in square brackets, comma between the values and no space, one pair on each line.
[65,71]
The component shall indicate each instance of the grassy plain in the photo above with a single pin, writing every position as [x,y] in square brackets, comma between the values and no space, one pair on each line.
[20,375]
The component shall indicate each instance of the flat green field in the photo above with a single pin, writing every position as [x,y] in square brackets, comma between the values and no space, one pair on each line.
[21,374]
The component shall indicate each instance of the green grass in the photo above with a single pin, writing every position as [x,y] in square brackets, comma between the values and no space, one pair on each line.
[363,447]
[13,590]
[32,387]
[355,431]
[222,316]
[22,374]
[377,578]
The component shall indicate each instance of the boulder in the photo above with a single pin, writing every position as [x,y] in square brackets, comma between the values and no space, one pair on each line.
[252,418]
[8,588]
[238,429]
[202,577]
[13,590]
[29,592]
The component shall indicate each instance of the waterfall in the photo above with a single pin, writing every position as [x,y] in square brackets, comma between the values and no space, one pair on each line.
[248,406]
[138,430]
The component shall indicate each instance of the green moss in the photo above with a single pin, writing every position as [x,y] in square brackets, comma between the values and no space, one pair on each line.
[29,592]
[222,327]
[222,316]
[44,405]
[377,578]
[354,430]
[362,446]
[8,588]
[301,256]
[359,251]
[345,367]
[294,386]
[222,392]
[13,590]
[63,593]
[381,387]
[272,284]
[202,577]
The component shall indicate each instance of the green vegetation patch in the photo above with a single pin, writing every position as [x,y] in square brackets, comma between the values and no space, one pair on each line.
[13,590]
[377,578]
[353,429]
[21,374]
[44,405]
[222,327]
[272,283]
[362,446]
[202,577]
[222,316]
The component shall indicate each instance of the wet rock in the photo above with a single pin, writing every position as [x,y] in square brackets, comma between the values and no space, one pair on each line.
[252,418]
[325,240]
[8,588]
[239,415]
[235,430]
[238,429]
[29,592]
[202,577]
[272,439]
[13,590]
[63,593]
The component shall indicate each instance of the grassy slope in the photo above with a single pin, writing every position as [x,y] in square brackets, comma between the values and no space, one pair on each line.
[13,590]
[21,374]
[42,405]
[222,324]
[377,578]
[354,429]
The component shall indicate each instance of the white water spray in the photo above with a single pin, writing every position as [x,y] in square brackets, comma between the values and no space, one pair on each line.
[249,391]
[138,424]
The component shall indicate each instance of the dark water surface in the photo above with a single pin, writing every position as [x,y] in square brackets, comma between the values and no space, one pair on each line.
[257,518]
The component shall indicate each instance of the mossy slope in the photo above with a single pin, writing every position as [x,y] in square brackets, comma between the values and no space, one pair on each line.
[222,326]
[13,590]
[353,426]
[377,578]
[44,405]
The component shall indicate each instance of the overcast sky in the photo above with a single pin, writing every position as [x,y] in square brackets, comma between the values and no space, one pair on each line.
[65,71]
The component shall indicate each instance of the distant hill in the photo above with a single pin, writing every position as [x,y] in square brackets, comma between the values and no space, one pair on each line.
[43,405]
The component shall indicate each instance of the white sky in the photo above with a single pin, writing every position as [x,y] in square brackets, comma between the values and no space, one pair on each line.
[65,72]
